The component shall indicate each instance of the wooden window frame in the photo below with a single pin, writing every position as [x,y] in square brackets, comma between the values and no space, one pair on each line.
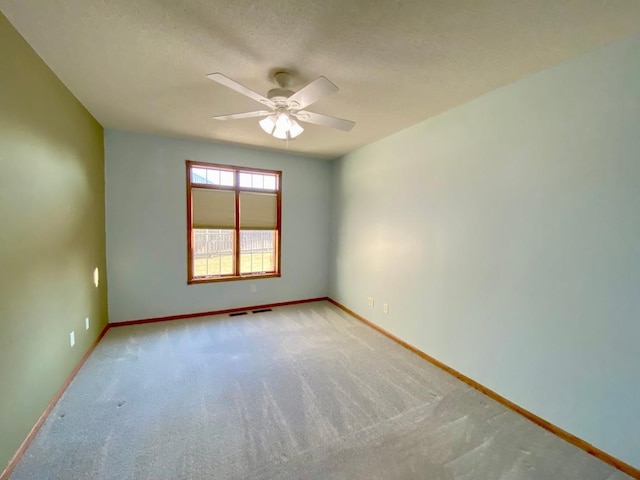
[236,188]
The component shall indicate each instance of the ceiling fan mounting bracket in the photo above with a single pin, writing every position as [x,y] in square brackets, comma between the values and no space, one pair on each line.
[283,78]
[280,94]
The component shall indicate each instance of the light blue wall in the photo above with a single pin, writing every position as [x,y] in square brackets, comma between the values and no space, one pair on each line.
[505,235]
[146,227]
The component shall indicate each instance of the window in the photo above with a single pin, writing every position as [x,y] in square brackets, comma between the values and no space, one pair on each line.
[233,222]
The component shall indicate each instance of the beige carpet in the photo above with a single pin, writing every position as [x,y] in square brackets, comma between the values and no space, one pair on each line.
[302,392]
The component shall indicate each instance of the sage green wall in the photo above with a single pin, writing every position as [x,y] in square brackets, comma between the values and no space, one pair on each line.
[505,236]
[52,236]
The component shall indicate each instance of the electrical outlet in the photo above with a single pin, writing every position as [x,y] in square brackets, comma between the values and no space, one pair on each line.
[86,323]
[72,338]
[370,301]
[253,288]
[385,307]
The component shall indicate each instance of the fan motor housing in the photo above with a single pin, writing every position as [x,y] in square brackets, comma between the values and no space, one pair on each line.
[283,93]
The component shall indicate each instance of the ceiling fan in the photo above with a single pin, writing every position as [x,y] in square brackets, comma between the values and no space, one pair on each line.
[284,107]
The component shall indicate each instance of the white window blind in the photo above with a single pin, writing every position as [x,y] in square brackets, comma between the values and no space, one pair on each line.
[214,209]
[258,211]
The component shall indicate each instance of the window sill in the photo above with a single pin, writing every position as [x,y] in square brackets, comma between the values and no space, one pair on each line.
[196,281]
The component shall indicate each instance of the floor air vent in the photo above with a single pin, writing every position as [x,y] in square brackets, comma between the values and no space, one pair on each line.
[235,314]
[261,310]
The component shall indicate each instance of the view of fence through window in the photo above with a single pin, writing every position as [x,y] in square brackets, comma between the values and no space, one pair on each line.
[213,251]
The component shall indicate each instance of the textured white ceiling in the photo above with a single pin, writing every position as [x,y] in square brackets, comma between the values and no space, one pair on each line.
[141,65]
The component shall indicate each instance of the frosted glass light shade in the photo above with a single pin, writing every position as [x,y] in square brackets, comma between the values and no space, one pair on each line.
[268,124]
[283,122]
[295,129]
[280,133]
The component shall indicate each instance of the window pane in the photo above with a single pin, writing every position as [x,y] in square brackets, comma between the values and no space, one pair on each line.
[213,176]
[226,178]
[245,180]
[212,252]
[258,181]
[198,175]
[257,251]
[269,182]
[209,176]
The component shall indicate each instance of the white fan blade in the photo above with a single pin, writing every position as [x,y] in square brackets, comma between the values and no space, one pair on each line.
[313,92]
[236,116]
[324,120]
[232,84]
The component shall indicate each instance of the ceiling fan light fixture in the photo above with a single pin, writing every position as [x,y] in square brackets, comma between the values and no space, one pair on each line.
[281,125]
